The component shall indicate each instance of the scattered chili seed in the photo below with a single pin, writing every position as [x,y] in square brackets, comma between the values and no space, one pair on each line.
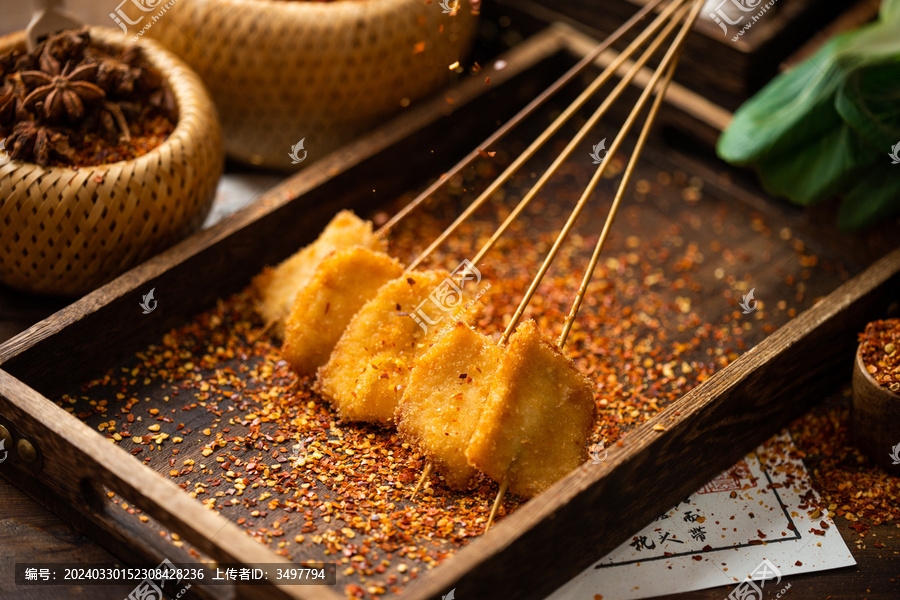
[851,486]
[340,491]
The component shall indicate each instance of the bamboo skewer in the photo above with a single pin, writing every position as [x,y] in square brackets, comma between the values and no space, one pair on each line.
[524,113]
[599,246]
[426,473]
[566,78]
[667,65]
[587,94]
[598,173]
[611,216]
[500,493]
[585,129]
[570,147]
[678,11]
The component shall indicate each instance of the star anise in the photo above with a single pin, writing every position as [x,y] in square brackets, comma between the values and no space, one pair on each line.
[54,145]
[14,61]
[68,90]
[125,73]
[22,113]
[34,143]
[63,94]
[113,120]
[164,100]
[62,48]
[115,77]
[21,143]
[7,102]
[149,79]
[7,63]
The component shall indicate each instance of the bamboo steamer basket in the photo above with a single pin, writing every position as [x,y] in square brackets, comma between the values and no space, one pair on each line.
[322,72]
[67,231]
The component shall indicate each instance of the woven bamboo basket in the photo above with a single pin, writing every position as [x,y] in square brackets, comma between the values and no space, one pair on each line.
[67,231]
[281,72]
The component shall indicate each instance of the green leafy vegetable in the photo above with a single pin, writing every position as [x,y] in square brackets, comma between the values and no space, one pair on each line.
[869,101]
[874,198]
[825,128]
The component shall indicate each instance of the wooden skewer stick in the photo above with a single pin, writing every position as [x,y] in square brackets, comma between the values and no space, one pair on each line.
[267,328]
[545,135]
[497,501]
[558,122]
[667,65]
[664,64]
[520,116]
[591,122]
[426,473]
[595,257]
[611,216]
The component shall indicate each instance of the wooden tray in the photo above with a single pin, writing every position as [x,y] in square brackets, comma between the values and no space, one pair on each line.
[546,540]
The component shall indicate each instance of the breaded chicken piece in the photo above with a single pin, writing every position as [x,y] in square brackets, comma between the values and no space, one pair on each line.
[368,370]
[278,287]
[444,399]
[538,417]
[341,285]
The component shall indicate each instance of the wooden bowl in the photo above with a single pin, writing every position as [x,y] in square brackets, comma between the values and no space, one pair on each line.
[67,231]
[322,72]
[875,418]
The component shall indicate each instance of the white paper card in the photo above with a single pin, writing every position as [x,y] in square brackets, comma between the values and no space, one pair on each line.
[748,527]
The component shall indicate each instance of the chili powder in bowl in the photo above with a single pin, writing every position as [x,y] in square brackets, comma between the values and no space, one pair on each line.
[876,393]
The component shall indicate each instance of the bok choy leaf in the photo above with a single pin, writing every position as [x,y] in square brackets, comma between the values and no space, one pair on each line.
[825,128]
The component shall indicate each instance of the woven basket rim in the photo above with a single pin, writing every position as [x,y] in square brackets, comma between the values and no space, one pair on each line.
[169,66]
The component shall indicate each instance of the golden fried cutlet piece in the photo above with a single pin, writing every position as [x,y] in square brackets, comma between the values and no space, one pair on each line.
[538,417]
[444,398]
[368,370]
[341,285]
[277,287]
